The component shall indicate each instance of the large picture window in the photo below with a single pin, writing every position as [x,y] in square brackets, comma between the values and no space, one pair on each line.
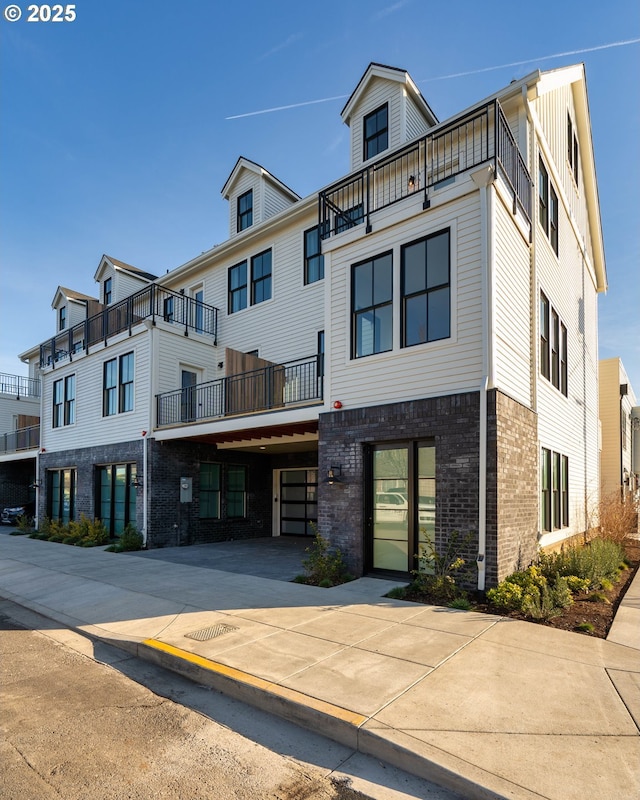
[372,306]
[117,496]
[61,494]
[426,291]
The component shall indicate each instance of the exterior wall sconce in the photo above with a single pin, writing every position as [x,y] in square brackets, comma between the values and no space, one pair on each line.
[34,485]
[333,476]
[137,482]
[413,182]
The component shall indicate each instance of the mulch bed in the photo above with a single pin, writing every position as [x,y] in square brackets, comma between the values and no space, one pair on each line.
[598,614]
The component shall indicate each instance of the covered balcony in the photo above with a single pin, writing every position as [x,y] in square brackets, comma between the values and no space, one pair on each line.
[480,137]
[269,387]
[154,302]
[20,440]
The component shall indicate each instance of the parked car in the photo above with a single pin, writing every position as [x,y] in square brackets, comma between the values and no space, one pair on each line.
[391,507]
[10,516]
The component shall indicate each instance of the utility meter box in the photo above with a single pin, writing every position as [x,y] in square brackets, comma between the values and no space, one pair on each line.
[186,490]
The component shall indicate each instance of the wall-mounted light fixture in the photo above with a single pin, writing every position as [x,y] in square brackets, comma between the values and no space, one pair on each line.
[411,183]
[220,364]
[34,485]
[333,475]
[137,482]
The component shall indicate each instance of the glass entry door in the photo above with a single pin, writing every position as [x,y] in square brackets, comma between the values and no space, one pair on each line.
[298,502]
[402,504]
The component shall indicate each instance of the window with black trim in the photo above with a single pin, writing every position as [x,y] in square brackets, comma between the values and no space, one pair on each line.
[573,154]
[107,287]
[62,318]
[209,491]
[376,132]
[236,491]
[61,494]
[372,306]
[64,401]
[261,277]
[168,309]
[238,287]
[547,206]
[117,385]
[313,258]
[349,218]
[553,346]
[245,210]
[554,490]
[426,290]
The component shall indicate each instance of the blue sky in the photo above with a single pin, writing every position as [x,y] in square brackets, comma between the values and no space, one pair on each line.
[116,137]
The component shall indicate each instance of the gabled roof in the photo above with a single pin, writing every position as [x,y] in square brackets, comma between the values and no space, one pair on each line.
[70,295]
[375,70]
[121,266]
[245,164]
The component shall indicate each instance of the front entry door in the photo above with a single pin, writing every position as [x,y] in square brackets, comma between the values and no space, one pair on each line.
[298,502]
[402,504]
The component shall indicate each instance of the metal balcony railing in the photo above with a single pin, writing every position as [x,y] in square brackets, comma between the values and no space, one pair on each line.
[479,137]
[19,386]
[153,302]
[277,386]
[22,439]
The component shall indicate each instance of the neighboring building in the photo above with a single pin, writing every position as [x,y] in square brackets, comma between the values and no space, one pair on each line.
[411,351]
[620,431]
[19,436]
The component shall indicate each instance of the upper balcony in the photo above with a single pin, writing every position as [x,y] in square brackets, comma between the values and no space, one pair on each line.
[480,137]
[153,302]
[22,439]
[19,387]
[273,387]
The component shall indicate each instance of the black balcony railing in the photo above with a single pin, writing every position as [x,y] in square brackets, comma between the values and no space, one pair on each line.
[154,302]
[22,439]
[271,387]
[479,137]
[19,386]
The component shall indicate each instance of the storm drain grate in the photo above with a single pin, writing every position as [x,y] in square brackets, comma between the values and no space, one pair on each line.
[211,633]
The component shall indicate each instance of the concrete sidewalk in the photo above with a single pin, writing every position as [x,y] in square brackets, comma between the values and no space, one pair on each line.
[483,705]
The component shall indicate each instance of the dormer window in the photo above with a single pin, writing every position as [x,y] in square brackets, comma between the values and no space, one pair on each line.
[376,132]
[245,210]
[62,318]
[107,290]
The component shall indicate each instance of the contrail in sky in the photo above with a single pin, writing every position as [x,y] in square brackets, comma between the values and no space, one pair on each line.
[445,77]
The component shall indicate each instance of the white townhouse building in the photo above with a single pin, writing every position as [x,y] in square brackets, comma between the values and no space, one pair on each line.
[620,431]
[409,352]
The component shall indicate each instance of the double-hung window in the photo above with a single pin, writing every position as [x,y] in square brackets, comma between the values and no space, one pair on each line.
[107,291]
[554,494]
[245,210]
[62,318]
[573,154]
[209,491]
[261,277]
[238,287]
[117,385]
[313,258]
[376,132]
[553,346]
[547,206]
[64,401]
[372,306]
[426,290]
[236,494]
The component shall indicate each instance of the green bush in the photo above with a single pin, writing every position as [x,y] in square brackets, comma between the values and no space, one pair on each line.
[530,593]
[594,562]
[441,575]
[324,566]
[130,539]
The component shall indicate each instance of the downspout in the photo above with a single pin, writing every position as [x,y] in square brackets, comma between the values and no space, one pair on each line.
[484,180]
[145,485]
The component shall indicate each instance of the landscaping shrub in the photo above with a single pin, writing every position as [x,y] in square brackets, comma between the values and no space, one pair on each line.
[129,540]
[323,566]
[594,562]
[442,575]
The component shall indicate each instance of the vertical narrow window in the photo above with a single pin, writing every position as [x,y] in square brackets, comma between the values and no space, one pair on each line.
[245,210]
[425,283]
[168,309]
[188,399]
[371,306]
[543,196]
[110,388]
[261,277]
[236,494]
[564,490]
[126,383]
[553,219]
[544,336]
[70,400]
[313,258]
[62,318]
[209,491]
[555,349]
[58,403]
[107,291]
[238,287]
[198,310]
[564,388]
[376,132]
[61,494]
[320,368]
[572,149]
[555,491]
[545,490]
[117,496]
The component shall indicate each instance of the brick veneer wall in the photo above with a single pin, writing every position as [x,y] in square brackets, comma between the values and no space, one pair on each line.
[452,422]
[172,523]
[513,487]
[15,479]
